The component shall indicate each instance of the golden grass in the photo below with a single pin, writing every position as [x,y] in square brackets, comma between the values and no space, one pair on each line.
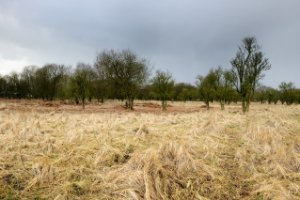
[136,155]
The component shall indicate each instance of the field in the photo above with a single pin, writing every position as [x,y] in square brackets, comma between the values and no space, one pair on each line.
[57,151]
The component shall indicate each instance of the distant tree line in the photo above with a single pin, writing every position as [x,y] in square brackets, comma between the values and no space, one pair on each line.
[286,93]
[125,76]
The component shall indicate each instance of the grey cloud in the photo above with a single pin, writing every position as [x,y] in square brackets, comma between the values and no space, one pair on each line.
[186,37]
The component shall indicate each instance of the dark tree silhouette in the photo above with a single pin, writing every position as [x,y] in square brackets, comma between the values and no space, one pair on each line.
[247,69]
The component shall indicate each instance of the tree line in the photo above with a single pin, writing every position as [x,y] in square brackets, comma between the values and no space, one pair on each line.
[125,76]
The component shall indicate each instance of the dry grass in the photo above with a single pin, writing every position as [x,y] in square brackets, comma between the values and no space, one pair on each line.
[138,155]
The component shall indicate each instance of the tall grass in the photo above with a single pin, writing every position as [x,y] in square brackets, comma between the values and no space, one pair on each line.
[133,155]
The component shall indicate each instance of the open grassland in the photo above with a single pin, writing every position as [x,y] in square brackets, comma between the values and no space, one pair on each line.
[60,154]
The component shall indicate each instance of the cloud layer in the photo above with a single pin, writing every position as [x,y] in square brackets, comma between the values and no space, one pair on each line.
[185,37]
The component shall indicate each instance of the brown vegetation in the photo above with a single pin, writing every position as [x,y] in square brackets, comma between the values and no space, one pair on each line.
[56,152]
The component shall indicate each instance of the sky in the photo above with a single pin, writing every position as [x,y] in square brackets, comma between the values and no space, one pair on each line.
[185,37]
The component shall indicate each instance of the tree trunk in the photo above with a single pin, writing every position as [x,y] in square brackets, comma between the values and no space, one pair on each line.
[222,105]
[248,105]
[83,103]
[164,105]
[207,105]
[244,106]
[131,104]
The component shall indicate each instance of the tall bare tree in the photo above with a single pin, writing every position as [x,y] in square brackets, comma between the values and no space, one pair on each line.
[248,68]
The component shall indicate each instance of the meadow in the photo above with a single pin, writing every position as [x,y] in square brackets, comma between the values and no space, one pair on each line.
[56,151]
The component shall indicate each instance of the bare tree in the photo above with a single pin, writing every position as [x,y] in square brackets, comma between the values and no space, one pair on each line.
[81,82]
[247,69]
[163,85]
[224,86]
[47,80]
[27,77]
[207,87]
[287,93]
[124,71]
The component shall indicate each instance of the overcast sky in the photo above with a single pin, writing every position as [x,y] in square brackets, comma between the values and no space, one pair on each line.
[187,37]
